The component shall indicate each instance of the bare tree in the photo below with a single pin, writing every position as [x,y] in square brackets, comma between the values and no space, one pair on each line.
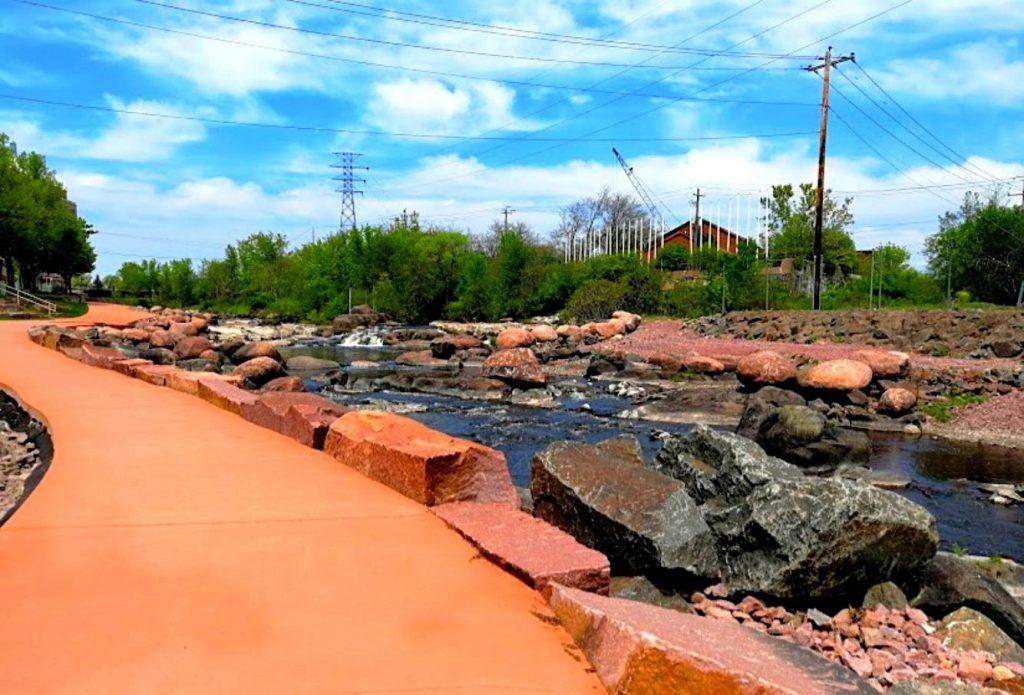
[593,216]
[488,242]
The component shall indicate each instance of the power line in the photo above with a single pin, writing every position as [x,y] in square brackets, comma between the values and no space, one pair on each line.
[609,78]
[513,32]
[394,44]
[919,124]
[703,89]
[898,122]
[351,131]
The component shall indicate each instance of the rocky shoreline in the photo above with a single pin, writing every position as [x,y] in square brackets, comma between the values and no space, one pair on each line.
[25,453]
[775,531]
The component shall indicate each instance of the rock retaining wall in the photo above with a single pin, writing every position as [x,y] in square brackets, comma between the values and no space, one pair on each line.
[939,333]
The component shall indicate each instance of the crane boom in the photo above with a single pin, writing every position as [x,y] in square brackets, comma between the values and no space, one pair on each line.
[639,187]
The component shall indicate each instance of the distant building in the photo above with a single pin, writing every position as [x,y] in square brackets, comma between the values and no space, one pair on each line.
[706,234]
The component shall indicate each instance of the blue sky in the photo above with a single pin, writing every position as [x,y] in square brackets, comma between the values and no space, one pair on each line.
[174,188]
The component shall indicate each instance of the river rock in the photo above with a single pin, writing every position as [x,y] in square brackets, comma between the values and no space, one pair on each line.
[191,347]
[305,363]
[780,533]
[160,338]
[511,338]
[569,332]
[885,594]
[949,582]
[291,384]
[897,401]
[158,355]
[232,344]
[642,520]
[766,367]
[609,329]
[135,335]
[259,370]
[182,329]
[445,346]
[630,320]
[966,629]
[544,334]
[419,358]
[885,364]
[702,364]
[801,435]
[836,375]
[252,350]
[515,366]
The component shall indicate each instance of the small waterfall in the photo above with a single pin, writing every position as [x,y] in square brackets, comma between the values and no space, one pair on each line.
[364,337]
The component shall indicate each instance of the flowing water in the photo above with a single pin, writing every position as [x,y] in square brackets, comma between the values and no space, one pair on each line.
[944,476]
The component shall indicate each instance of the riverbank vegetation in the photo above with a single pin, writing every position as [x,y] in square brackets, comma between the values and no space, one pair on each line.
[40,230]
[420,274]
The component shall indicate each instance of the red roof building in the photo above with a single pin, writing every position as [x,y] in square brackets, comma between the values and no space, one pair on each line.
[707,234]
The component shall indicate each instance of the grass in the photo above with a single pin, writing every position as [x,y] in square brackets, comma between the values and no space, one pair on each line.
[66,309]
[946,408]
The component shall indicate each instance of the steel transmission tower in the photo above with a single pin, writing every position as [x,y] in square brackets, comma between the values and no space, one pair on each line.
[348,180]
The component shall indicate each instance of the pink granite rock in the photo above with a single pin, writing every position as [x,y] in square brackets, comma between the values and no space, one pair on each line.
[224,395]
[531,549]
[642,649]
[423,464]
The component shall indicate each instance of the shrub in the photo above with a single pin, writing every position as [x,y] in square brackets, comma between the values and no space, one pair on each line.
[596,300]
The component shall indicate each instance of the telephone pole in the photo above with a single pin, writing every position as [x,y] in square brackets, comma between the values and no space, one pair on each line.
[819,204]
[1021,194]
[506,211]
[696,219]
[347,180]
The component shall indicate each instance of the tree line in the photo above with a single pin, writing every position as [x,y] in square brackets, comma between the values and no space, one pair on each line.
[40,230]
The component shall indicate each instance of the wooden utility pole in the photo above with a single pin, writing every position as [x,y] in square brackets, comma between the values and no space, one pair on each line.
[819,205]
[506,211]
[696,220]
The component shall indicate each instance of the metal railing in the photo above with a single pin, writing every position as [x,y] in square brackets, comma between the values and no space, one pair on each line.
[23,296]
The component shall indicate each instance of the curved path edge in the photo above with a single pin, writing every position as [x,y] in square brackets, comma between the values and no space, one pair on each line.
[175,547]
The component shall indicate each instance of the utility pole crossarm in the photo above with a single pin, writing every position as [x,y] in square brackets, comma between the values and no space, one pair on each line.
[828,62]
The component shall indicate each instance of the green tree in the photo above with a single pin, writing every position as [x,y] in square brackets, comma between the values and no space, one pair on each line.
[980,249]
[791,226]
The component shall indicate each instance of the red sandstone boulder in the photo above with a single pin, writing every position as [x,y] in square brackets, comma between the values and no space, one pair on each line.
[229,346]
[766,367]
[96,356]
[511,338]
[423,464]
[419,358]
[609,329]
[200,323]
[308,424]
[188,382]
[182,329]
[127,367]
[569,332]
[292,384]
[259,370]
[666,362]
[836,375]
[702,364]
[640,649]
[155,374]
[544,334]
[631,321]
[897,401]
[135,335]
[885,364]
[160,338]
[515,366]
[211,356]
[253,350]
[527,547]
[190,348]
[224,395]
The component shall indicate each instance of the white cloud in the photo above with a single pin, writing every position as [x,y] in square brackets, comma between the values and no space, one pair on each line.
[983,71]
[432,106]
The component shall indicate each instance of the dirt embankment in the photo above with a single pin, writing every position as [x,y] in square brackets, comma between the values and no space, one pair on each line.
[979,334]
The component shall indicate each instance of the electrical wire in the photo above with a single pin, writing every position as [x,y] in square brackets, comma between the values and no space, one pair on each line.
[392,44]
[515,32]
[350,131]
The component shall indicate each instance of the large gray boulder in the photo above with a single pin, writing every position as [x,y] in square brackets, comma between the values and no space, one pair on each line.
[801,435]
[781,533]
[604,496]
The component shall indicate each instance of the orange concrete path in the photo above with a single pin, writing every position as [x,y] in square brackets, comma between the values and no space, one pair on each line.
[173,547]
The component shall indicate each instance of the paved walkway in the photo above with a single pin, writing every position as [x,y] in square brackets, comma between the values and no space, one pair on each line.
[173,547]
